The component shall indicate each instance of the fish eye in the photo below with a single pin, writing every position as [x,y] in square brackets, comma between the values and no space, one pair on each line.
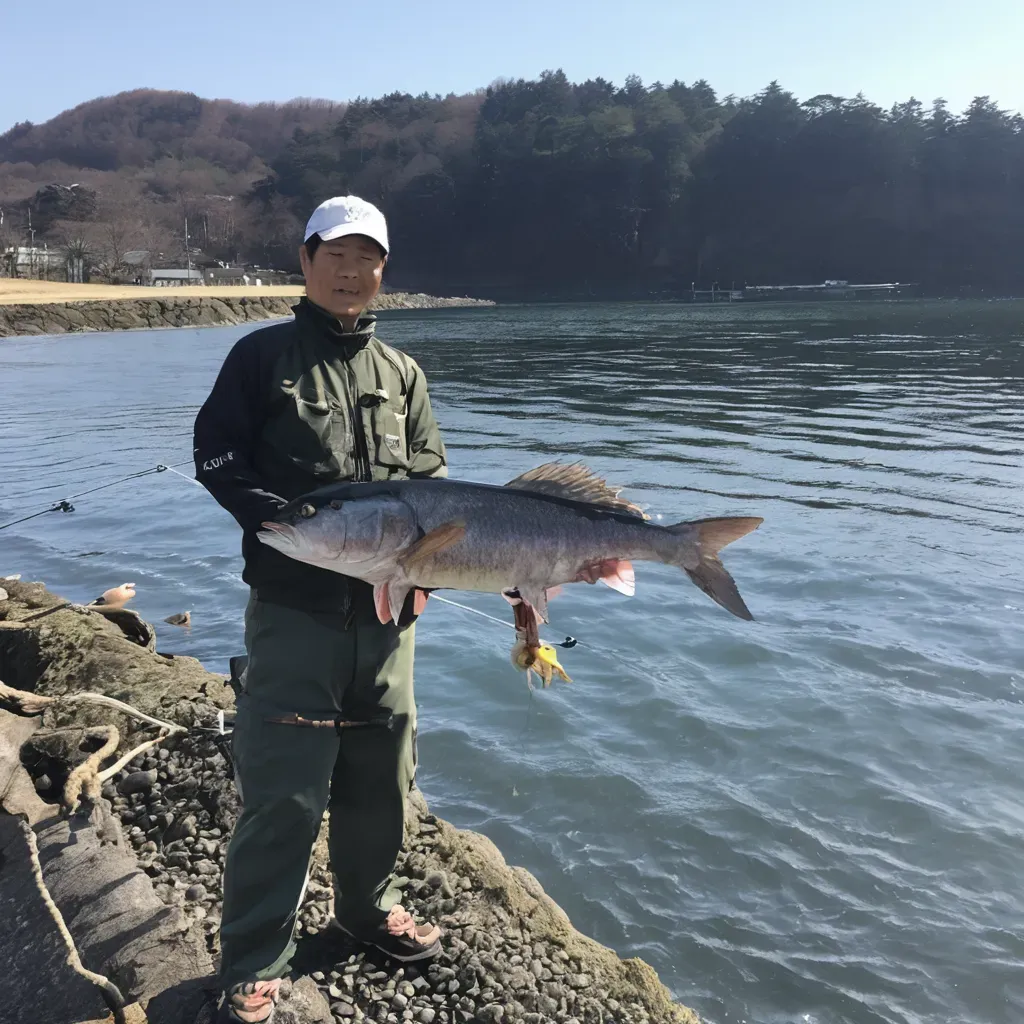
[307,511]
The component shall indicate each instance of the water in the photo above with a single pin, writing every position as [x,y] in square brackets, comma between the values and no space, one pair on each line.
[812,818]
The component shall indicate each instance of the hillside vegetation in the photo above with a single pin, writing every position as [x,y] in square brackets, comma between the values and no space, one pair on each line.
[546,187]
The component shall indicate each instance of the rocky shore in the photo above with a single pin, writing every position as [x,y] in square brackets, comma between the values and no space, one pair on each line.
[179,311]
[511,956]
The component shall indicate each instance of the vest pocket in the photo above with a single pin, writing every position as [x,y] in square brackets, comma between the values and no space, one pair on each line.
[323,444]
[387,431]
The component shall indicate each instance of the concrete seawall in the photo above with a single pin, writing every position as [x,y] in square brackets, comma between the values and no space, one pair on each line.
[178,311]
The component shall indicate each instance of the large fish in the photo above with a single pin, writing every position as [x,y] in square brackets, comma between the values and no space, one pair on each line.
[555,524]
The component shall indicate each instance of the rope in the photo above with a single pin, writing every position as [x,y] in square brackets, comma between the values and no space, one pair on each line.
[36,703]
[64,505]
[109,773]
[111,993]
[85,778]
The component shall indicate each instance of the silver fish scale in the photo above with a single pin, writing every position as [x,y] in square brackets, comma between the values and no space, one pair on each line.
[514,538]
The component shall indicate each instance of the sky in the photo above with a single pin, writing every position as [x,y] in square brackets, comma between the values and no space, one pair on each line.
[62,53]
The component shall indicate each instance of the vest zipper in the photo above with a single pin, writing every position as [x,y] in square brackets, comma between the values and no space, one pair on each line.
[358,432]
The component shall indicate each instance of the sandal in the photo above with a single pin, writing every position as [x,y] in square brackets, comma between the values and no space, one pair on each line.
[249,1002]
[400,937]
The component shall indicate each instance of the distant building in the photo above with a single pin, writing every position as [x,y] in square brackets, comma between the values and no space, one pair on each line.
[243,276]
[171,278]
[227,275]
[32,261]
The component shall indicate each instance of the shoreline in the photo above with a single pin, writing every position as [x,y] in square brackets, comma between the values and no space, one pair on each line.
[184,308]
[511,955]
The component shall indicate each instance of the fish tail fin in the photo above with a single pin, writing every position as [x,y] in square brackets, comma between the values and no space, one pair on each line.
[697,556]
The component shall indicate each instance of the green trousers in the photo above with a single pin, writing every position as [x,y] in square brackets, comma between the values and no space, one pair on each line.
[287,775]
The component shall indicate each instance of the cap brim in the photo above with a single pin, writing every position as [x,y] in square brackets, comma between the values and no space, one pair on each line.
[349,229]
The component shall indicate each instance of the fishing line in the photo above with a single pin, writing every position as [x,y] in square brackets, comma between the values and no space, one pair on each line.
[64,505]
[184,476]
[567,643]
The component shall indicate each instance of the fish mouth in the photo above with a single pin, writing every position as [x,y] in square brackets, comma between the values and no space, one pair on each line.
[277,535]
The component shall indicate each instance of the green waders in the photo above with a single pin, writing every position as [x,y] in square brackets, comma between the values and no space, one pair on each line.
[308,663]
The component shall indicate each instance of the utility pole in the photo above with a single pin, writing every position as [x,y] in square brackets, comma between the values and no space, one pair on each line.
[188,254]
[31,246]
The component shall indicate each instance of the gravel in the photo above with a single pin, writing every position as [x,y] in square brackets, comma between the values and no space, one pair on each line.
[178,808]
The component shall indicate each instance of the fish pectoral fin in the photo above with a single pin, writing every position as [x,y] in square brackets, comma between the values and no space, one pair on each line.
[619,575]
[439,539]
[381,602]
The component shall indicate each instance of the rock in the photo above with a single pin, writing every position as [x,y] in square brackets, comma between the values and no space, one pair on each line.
[184,827]
[305,1005]
[342,1010]
[505,939]
[137,782]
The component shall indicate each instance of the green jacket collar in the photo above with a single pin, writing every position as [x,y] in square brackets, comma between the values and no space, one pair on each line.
[314,318]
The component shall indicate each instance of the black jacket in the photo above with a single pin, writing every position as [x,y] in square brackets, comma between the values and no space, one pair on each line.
[299,405]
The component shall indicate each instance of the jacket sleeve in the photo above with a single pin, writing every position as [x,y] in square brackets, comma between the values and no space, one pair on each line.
[226,429]
[427,456]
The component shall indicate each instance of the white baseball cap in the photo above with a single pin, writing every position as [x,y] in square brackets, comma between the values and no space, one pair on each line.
[348,215]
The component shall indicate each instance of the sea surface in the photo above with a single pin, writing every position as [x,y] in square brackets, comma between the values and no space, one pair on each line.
[816,817]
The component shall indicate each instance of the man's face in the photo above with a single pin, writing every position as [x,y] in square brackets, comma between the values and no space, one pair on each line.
[344,275]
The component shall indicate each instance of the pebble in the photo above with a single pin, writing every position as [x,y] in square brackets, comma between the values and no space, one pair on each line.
[137,782]
[493,970]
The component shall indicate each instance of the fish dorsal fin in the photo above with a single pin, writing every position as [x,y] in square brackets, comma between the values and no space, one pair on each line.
[576,483]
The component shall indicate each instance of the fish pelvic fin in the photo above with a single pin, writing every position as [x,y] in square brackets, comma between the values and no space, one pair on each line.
[440,538]
[382,603]
[698,558]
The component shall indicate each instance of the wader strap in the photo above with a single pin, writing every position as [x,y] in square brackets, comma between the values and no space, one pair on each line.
[385,719]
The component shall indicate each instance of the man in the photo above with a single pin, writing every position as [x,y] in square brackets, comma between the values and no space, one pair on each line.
[298,405]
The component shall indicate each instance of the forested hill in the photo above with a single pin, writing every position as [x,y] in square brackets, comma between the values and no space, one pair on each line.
[548,187]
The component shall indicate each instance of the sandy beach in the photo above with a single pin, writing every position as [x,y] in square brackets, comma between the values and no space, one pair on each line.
[17,291]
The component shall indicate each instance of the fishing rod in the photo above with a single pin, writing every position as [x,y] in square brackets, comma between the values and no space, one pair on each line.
[64,505]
